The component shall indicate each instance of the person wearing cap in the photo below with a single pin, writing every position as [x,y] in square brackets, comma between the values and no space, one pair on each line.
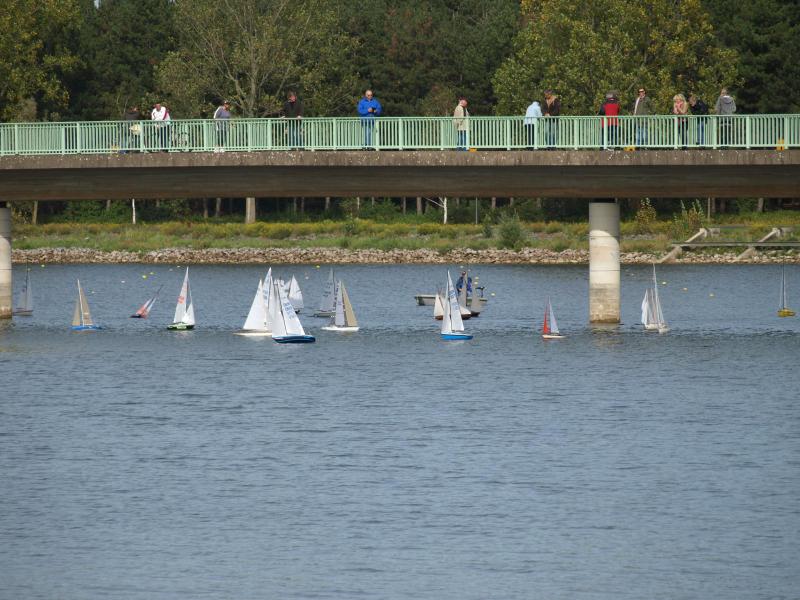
[160,114]
[551,107]
[293,109]
[222,118]
[610,108]
[460,120]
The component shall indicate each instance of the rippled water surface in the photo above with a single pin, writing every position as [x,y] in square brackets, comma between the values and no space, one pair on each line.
[141,463]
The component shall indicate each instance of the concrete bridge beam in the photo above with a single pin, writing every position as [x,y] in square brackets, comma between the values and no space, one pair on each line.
[604,279]
[5,262]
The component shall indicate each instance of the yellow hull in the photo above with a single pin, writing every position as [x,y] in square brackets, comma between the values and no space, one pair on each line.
[785,313]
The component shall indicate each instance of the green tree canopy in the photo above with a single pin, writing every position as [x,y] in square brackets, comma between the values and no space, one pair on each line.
[581,50]
[252,52]
[766,34]
[34,54]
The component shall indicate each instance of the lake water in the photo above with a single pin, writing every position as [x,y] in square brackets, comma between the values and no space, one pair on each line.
[139,463]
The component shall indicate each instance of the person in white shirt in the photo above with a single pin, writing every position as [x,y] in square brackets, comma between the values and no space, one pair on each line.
[160,113]
[531,119]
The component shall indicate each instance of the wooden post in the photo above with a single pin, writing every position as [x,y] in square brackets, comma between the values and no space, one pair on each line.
[218,207]
[419,205]
[403,204]
[327,203]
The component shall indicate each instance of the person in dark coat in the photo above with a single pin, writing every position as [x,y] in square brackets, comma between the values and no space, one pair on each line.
[699,109]
[130,130]
[551,108]
[293,109]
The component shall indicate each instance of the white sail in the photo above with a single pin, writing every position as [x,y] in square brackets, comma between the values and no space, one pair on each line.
[645,308]
[295,295]
[658,316]
[438,306]
[551,318]
[328,298]
[342,316]
[337,318]
[451,321]
[257,317]
[188,318]
[274,311]
[181,306]
[82,317]
[291,322]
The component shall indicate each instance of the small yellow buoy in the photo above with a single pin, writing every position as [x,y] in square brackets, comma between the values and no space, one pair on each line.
[144,276]
[43,266]
[492,293]
[711,294]
[318,266]
[684,289]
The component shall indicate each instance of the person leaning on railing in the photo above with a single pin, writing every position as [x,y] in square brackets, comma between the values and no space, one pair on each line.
[160,114]
[131,130]
[551,107]
[460,118]
[293,110]
[222,118]
[699,109]
[681,110]
[725,106]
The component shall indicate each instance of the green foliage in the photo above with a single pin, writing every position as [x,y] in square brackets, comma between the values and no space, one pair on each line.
[36,54]
[583,49]
[645,217]
[253,52]
[689,221]
[511,234]
[486,227]
[766,35]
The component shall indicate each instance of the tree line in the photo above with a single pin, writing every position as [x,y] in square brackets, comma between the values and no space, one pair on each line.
[78,60]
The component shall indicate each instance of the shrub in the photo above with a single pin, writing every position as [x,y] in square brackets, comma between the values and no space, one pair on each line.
[645,217]
[511,233]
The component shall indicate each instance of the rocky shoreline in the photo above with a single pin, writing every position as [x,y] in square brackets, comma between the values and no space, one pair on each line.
[346,256]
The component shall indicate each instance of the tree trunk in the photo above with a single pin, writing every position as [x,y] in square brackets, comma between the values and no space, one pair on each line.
[302,205]
[511,201]
[722,206]
[358,204]
[250,210]
[760,205]
[205,208]
[419,205]
[108,204]
[294,205]
[403,204]
[327,203]
[218,208]
[133,209]
[458,202]
[494,202]
[35,211]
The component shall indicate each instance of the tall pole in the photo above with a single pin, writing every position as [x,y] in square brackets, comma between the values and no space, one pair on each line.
[5,261]
[604,279]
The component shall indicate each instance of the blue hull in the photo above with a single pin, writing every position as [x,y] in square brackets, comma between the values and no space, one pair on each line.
[456,336]
[85,327]
[295,339]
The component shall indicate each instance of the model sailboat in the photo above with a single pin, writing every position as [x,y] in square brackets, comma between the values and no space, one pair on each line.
[286,326]
[652,316]
[452,325]
[257,323]
[326,305]
[147,306]
[343,318]
[550,327]
[783,310]
[184,309]
[295,295]
[438,306]
[82,318]
[25,298]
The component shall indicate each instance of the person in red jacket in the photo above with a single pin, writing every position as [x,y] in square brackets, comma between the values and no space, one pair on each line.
[610,109]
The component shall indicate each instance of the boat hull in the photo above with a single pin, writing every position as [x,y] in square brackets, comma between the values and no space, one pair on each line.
[552,336]
[295,339]
[29,313]
[254,333]
[138,316]
[456,336]
[785,312]
[430,300]
[86,327]
[180,327]
[340,329]
[323,313]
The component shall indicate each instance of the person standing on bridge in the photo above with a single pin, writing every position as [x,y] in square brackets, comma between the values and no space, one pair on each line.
[552,108]
[160,114]
[700,110]
[681,109]
[130,128]
[368,108]
[222,119]
[293,109]
[531,122]
[725,106]
[610,108]
[643,107]
[460,120]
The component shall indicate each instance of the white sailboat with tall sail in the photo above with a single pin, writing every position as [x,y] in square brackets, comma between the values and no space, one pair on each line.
[461,293]
[438,306]
[25,298]
[295,295]
[82,318]
[452,324]
[783,310]
[550,328]
[286,326]
[343,318]
[257,322]
[184,309]
[326,305]
[147,306]
[652,315]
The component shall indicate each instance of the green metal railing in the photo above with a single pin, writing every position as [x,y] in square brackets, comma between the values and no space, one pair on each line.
[402,133]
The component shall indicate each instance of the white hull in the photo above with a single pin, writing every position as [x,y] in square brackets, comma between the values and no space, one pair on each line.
[552,336]
[254,333]
[430,300]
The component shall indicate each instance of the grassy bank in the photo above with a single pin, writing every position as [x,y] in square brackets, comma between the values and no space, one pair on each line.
[357,234]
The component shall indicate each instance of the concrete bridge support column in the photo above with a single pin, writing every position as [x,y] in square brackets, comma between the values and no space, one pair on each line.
[604,262]
[5,261]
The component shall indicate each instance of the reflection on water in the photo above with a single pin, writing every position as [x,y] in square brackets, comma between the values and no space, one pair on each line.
[142,463]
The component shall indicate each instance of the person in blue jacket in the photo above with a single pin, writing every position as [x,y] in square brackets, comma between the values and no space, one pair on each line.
[460,283]
[368,108]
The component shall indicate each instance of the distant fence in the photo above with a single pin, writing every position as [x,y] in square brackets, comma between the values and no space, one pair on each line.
[403,133]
